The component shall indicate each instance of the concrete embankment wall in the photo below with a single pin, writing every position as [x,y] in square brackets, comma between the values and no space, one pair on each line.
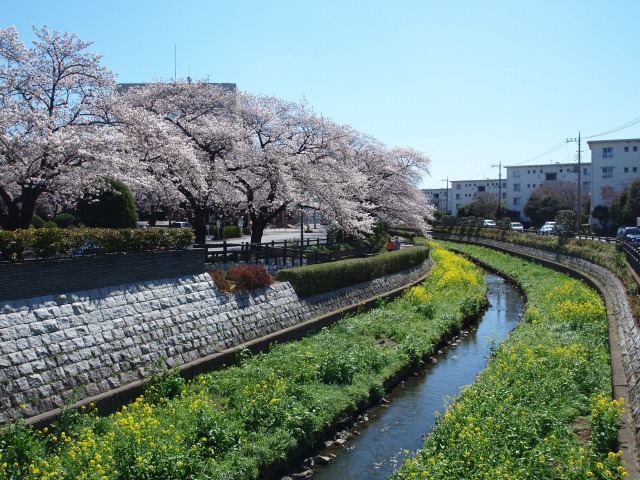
[104,340]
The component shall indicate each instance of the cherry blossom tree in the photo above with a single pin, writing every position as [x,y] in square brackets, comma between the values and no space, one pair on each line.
[289,161]
[177,135]
[240,153]
[393,177]
[53,140]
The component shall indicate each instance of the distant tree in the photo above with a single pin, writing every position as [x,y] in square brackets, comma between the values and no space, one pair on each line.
[485,205]
[466,210]
[542,205]
[568,218]
[52,99]
[631,209]
[111,207]
[601,214]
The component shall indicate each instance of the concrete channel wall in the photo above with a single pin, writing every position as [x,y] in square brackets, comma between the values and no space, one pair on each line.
[624,334]
[102,343]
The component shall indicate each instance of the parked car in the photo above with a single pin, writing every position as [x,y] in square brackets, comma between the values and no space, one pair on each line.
[628,234]
[180,225]
[516,227]
[548,228]
[489,223]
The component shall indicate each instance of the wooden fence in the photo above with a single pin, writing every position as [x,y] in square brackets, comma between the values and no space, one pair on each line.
[284,253]
[632,254]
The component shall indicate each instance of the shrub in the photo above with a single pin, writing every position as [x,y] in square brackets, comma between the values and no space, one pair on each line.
[37,221]
[231,231]
[220,279]
[112,208]
[54,242]
[316,279]
[248,277]
[64,220]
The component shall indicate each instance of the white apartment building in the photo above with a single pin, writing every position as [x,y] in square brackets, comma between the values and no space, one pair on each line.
[463,192]
[438,197]
[522,180]
[615,164]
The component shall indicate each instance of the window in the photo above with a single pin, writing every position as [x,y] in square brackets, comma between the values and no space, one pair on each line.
[607,152]
[457,196]
[551,176]
[516,187]
[481,189]
[458,187]
[626,149]
[436,195]
[626,169]
[607,172]
[635,149]
[516,174]
[635,169]
[516,201]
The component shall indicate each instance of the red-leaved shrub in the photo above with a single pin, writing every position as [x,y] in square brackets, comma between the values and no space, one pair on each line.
[248,277]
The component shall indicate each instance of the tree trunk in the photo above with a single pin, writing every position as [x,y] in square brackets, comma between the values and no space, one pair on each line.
[260,220]
[18,212]
[199,223]
[258,225]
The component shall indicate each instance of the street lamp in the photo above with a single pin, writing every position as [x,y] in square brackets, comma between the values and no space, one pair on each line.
[446,196]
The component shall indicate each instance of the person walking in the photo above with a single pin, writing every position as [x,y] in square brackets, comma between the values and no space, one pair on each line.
[396,244]
[390,245]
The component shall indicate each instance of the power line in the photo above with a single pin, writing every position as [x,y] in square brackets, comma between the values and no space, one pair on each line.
[544,154]
[621,127]
[561,144]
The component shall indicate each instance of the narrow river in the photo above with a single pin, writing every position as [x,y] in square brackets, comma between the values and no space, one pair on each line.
[377,448]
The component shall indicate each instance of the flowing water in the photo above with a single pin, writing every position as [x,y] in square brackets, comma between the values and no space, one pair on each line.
[378,445]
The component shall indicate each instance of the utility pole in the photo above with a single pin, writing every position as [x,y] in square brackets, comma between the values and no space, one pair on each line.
[499,187]
[579,180]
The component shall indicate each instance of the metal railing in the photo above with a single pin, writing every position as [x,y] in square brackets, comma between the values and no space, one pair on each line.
[284,253]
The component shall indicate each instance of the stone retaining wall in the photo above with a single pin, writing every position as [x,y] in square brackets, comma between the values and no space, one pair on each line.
[100,340]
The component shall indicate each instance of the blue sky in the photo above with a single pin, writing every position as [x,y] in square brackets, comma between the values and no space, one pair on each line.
[471,83]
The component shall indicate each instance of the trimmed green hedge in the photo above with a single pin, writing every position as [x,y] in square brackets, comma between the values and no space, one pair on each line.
[227,231]
[316,279]
[53,243]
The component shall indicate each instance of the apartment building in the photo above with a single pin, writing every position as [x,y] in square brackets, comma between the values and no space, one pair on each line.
[438,197]
[463,192]
[615,164]
[522,180]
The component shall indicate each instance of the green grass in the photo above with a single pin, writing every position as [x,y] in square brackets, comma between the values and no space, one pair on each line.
[543,407]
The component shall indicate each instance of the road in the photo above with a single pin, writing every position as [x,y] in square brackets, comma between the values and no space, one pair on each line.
[279,235]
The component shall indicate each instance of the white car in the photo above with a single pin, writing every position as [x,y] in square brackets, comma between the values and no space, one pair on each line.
[548,228]
[516,227]
[489,223]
